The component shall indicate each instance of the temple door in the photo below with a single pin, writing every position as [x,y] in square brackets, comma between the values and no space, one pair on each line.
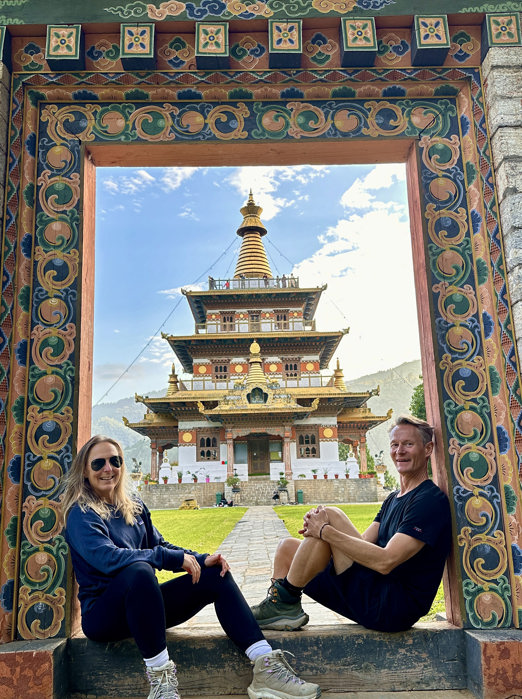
[258,457]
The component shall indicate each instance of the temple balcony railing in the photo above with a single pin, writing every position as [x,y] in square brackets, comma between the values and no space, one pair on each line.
[283,282]
[208,383]
[255,326]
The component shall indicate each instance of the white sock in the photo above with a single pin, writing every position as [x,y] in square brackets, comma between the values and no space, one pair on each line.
[158,660]
[257,649]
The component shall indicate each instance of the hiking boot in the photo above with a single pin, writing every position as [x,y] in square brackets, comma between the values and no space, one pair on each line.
[275,679]
[163,681]
[280,610]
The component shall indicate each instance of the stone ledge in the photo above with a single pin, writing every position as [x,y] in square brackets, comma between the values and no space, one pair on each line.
[345,658]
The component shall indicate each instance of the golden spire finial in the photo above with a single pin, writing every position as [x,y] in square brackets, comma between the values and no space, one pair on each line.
[339,378]
[256,375]
[252,261]
[173,382]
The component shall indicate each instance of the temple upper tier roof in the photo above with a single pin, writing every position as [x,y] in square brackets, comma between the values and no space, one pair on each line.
[252,260]
[221,297]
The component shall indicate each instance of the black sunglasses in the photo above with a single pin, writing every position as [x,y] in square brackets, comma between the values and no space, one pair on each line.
[98,464]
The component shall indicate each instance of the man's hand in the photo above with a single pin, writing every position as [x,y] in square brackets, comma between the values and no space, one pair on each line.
[313,521]
[192,567]
[216,559]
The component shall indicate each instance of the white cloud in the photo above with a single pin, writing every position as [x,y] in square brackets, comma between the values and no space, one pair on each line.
[173,177]
[265,181]
[129,184]
[366,261]
[158,352]
[176,291]
[359,194]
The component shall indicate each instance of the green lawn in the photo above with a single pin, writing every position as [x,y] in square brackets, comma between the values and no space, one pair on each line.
[199,530]
[204,530]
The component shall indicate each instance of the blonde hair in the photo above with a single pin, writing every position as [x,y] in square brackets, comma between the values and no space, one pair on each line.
[78,490]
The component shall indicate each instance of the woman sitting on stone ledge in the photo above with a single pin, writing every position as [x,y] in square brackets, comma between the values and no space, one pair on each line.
[115,549]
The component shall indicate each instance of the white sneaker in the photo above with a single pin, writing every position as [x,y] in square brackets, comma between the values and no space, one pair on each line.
[163,682]
[275,679]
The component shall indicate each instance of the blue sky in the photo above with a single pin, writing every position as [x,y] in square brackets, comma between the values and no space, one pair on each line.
[162,229]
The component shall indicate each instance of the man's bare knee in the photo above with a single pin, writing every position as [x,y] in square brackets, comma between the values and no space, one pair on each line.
[341,521]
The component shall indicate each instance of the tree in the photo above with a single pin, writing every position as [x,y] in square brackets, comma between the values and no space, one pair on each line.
[344,450]
[417,403]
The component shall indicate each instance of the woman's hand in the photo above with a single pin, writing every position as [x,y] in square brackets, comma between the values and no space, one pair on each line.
[192,567]
[216,559]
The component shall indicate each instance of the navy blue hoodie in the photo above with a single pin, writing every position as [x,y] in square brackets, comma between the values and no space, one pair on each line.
[100,548]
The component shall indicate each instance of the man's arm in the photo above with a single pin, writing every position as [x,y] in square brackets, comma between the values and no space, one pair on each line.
[365,551]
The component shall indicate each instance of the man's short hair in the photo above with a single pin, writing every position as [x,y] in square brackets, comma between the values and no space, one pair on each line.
[425,429]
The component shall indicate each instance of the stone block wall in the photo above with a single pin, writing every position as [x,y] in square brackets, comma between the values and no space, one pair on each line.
[254,492]
[502,76]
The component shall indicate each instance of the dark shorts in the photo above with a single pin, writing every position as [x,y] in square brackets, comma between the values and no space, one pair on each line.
[366,597]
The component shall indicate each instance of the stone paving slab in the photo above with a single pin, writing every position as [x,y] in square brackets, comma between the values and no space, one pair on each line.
[250,548]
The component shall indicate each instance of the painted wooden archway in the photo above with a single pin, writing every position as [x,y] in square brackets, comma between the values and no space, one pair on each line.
[63,125]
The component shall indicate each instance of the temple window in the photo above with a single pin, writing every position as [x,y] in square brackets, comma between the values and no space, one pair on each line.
[228,322]
[275,447]
[291,369]
[220,371]
[308,443]
[281,320]
[254,321]
[208,446]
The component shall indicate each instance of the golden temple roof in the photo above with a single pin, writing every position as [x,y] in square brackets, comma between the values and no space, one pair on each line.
[252,261]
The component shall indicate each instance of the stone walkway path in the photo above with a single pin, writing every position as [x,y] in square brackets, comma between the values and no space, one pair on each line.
[250,548]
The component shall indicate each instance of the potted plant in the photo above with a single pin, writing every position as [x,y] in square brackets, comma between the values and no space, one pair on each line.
[336,475]
[282,482]
[207,478]
[347,472]
[233,482]
[194,477]
[180,476]
[165,479]
[314,474]
[146,478]
[302,475]
[325,473]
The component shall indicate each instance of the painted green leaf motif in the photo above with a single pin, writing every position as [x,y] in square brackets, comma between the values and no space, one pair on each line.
[11,532]
[511,499]
[29,194]
[24,298]
[495,380]
[471,173]
[135,95]
[482,271]
[239,93]
[18,410]
[35,97]
[343,92]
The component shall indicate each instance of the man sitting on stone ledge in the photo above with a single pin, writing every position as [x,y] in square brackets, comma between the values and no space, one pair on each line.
[385,578]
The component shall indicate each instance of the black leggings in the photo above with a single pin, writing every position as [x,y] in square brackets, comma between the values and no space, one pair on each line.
[135,604]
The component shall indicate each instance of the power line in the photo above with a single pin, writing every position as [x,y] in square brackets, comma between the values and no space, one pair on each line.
[149,342]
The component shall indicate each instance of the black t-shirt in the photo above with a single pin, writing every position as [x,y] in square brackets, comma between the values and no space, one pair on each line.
[423,514]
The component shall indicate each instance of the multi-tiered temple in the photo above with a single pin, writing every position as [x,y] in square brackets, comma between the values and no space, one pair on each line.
[257,401]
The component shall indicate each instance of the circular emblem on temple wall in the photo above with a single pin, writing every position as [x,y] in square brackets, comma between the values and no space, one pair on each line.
[187,436]
[273,367]
[202,369]
[328,432]
[238,368]
[309,366]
